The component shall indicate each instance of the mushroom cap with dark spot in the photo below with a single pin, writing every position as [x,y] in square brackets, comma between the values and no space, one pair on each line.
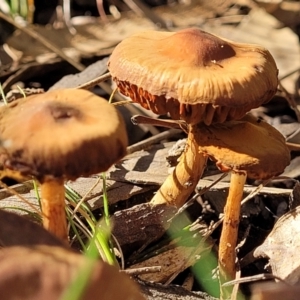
[249,144]
[193,75]
[61,134]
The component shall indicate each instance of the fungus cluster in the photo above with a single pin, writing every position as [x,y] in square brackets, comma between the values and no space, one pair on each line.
[208,82]
[196,77]
[57,136]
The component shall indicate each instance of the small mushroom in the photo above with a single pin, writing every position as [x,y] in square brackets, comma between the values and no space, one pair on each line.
[196,77]
[247,148]
[57,136]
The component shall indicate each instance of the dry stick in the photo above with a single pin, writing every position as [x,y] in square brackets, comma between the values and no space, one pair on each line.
[152,140]
[139,119]
[123,102]
[88,85]
[293,146]
[258,277]
[13,192]
[85,196]
[132,109]
[289,74]
[140,271]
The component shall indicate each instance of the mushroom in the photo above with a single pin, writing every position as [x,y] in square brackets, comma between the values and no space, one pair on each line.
[57,136]
[250,148]
[196,77]
[193,75]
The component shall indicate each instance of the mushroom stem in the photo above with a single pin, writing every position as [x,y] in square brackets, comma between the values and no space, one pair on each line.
[231,221]
[182,182]
[53,208]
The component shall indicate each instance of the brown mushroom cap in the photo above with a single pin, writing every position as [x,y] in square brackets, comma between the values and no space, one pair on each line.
[193,75]
[45,272]
[61,134]
[248,144]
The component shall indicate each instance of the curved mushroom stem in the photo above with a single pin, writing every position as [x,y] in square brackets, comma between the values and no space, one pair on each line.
[229,235]
[53,208]
[182,182]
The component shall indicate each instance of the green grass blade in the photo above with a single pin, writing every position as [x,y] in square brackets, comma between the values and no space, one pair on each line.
[76,289]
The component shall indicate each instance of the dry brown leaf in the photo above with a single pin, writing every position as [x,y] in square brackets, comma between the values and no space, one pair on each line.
[282,247]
